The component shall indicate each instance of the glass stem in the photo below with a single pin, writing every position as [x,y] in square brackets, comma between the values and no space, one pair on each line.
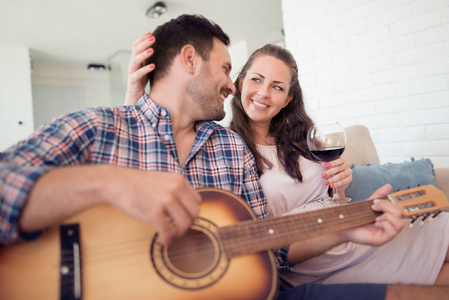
[335,195]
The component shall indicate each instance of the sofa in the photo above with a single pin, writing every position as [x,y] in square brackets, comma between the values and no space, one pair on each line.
[360,151]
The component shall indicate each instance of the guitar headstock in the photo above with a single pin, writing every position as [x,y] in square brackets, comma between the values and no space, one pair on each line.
[423,201]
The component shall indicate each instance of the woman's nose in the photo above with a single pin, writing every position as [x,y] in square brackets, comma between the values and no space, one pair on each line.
[262,91]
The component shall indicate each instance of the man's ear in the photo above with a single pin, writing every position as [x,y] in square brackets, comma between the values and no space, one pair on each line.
[189,58]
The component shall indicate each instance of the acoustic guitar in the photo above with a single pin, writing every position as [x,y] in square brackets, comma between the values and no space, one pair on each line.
[103,254]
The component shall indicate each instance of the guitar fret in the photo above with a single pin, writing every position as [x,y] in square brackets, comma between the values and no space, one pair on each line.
[254,236]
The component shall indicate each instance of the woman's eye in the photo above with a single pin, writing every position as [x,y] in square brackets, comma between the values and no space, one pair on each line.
[276,87]
[255,79]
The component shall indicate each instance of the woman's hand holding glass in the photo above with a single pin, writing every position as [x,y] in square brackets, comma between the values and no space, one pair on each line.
[327,143]
[339,175]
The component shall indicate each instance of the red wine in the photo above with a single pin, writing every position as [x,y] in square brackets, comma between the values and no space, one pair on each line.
[328,154]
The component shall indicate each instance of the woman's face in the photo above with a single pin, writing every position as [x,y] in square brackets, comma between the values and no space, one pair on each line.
[265,89]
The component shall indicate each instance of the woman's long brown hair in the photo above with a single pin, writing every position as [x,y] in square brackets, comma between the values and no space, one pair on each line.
[289,127]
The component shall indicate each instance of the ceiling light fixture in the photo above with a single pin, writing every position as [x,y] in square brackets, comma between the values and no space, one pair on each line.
[96,67]
[156,10]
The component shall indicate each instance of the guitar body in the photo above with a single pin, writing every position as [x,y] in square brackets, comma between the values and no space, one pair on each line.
[121,258]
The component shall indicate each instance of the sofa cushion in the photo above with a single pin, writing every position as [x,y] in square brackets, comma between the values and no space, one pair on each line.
[368,178]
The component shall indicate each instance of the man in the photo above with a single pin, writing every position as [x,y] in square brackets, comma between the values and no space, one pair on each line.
[148,159]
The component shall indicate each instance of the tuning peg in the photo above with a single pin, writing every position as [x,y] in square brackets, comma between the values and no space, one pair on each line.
[412,222]
[422,221]
[435,215]
[424,217]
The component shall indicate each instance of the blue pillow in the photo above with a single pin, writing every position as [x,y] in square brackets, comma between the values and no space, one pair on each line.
[368,178]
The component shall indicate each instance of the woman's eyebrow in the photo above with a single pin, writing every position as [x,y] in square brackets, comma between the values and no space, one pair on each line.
[259,75]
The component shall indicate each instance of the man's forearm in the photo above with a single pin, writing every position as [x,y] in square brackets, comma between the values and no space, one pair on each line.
[63,192]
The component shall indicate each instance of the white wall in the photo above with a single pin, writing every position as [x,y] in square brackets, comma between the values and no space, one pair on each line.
[61,89]
[239,55]
[16,114]
[381,63]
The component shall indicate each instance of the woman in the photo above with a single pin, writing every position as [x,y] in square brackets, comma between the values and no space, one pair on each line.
[269,114]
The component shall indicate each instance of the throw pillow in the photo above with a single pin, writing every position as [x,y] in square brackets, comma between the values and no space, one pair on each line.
[368,178]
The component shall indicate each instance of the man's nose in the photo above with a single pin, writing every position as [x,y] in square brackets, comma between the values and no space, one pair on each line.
[230,86]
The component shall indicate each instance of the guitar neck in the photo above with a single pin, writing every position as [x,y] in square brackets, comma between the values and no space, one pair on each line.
[255,236]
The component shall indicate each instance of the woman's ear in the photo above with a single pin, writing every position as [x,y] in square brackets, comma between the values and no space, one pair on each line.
[189,58]
[289,98]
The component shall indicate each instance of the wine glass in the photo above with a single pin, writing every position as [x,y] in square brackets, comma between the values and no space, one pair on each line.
[327,143]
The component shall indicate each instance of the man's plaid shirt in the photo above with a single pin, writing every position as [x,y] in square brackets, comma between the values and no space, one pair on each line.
[138,136]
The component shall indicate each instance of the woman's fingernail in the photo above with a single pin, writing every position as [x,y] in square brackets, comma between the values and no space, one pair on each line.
[328,166]
[151,39]
[148,33]
[151,66]
[150,50]
[332,186]
[323,175]
[326,182]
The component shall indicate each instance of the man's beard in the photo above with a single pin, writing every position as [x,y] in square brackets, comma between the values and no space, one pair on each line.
[202,90]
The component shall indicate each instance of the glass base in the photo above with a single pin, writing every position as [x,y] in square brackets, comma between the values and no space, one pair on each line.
[330,202]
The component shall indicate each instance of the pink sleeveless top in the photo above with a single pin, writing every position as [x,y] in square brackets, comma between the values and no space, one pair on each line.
[415,256]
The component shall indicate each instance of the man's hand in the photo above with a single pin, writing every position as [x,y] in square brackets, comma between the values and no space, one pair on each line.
[386,227]
[164,199]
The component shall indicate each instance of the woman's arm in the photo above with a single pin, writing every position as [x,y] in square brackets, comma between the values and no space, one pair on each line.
[137,70]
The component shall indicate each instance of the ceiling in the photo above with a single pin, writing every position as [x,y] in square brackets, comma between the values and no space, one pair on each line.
[92,31]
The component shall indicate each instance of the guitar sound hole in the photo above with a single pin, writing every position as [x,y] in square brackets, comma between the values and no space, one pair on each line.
[192,253]
[193,261]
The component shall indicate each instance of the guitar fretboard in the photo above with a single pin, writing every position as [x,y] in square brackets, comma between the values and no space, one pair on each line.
[255,236]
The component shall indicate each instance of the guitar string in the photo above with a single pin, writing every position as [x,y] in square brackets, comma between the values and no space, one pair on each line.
[246,236]
[234,235]
[237,239]
[290,226]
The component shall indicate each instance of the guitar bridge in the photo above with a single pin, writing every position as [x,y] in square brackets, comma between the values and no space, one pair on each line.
[70,267]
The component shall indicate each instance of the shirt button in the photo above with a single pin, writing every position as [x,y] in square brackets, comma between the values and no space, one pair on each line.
[153,125]
[166,137]
[163,113]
